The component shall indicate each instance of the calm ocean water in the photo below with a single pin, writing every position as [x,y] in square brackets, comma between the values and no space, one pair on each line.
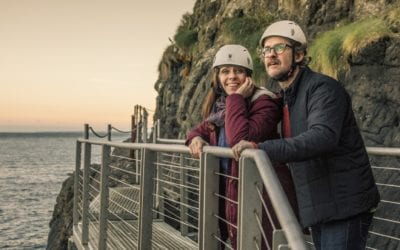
[32,169]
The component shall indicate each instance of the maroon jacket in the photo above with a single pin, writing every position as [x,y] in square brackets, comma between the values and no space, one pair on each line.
[254,120]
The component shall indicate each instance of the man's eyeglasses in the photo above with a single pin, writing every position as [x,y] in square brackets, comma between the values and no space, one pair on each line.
[277,48]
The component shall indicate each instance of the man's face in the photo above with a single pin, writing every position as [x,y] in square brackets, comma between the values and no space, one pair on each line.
[277,61]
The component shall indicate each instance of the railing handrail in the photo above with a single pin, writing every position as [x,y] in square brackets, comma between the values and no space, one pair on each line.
[384,151]
[178,146]
[133,145]
[173,141]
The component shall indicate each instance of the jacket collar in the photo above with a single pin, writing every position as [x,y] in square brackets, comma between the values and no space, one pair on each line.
[290,93]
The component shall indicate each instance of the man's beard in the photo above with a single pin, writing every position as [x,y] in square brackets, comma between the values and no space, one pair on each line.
[283,76]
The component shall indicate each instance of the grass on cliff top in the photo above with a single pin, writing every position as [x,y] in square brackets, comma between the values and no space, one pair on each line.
[330,50]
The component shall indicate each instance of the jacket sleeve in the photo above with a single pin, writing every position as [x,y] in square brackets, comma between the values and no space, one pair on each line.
[255,121]
[201,130]
[328,105]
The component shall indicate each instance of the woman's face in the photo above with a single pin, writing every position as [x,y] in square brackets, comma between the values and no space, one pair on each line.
[231,78]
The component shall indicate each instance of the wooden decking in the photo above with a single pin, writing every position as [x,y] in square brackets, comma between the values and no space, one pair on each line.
[123,203]
[124,235]
[122,227]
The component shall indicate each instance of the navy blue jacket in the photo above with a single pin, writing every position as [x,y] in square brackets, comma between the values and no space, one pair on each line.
[326,153]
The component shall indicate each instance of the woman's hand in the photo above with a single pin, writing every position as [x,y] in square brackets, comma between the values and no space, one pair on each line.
[247,88]
[239,147]
[196,146]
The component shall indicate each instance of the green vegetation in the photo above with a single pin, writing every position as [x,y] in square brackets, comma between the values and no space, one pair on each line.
[393,19]
[247,31]
[186,38]
[331,49]
[186,35]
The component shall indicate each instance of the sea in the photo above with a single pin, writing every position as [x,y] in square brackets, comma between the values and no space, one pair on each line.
[33,167]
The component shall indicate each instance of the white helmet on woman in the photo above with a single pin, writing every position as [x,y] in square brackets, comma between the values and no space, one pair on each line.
[233,54]
[287,29]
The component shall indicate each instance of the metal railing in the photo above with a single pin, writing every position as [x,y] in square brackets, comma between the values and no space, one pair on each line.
[197,218]
[138,185]
[137,133]
[384,232]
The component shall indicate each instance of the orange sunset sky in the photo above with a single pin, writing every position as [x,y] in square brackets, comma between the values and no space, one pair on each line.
[64,63]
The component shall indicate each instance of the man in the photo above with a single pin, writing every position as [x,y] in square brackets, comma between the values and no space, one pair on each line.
[334,184]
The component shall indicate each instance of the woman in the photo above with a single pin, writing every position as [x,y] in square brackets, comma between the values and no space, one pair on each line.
[235,110]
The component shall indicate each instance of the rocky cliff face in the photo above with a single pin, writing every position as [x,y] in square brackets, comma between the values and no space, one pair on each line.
[61,222]
[374,83]
[372,77]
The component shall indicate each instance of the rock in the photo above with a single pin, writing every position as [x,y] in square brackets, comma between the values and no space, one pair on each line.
[373,85]
[61,222]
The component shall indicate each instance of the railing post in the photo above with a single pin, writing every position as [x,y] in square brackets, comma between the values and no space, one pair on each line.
[158,129]
[200,216]
[155,132]
[109,131]
[250,205]
[85,197]
[104,197]
[183,199]
[133,138]
[86,131]
[156,197]
[78,155]
[137,139]
[160,188]
[146,200]
[144,135]
[209,164]
[133,128]
[279,201]
[138,124]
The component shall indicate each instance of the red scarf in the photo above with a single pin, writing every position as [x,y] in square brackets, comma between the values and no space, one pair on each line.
[286,131]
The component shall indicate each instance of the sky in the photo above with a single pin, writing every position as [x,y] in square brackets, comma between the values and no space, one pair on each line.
[64,63]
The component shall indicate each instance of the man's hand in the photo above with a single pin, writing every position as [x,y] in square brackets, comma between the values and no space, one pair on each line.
[238,148]
[196,146]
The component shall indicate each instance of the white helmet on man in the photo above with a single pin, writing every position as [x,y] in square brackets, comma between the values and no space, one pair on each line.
[233,54]
[287,29]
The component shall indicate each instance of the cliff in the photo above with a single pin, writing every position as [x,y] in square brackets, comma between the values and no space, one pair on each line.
[368,67]
[61,222]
